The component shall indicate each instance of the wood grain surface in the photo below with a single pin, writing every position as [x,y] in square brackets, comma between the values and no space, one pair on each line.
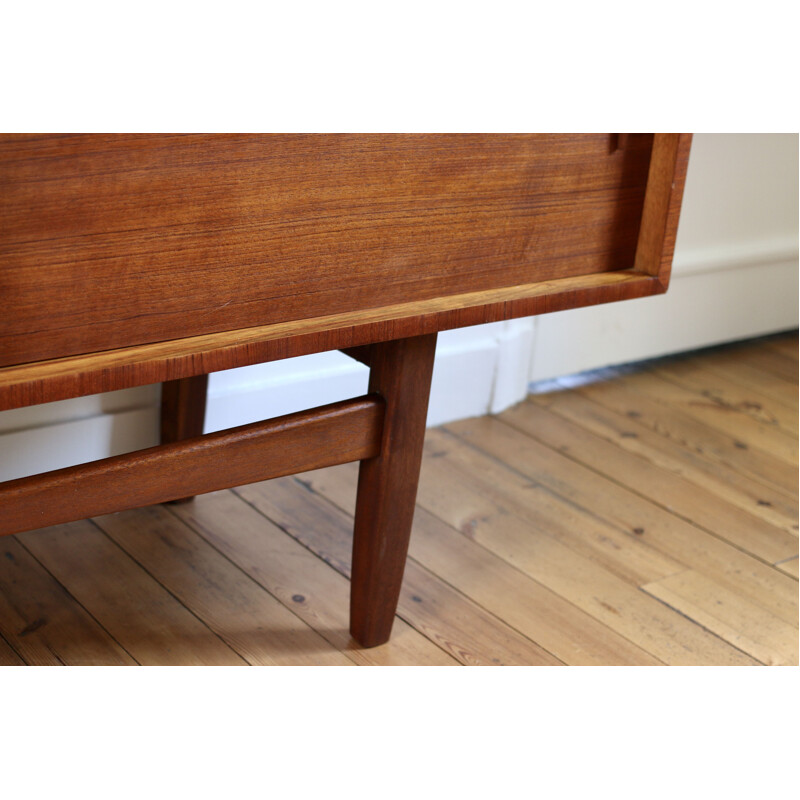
[57,379]
[401,373]
[183,411]
[659,227]
[183,408]
[346,431]
[110,241]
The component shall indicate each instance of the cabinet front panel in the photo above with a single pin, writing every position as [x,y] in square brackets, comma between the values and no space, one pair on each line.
[108,241]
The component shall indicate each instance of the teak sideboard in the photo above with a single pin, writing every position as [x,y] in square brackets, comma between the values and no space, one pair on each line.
[136,259]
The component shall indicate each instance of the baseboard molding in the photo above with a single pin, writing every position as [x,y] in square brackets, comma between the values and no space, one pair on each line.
[463,378]
[701,308]
[76,441]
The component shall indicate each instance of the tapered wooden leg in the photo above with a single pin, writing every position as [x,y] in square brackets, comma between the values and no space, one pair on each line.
[183,410]
[401,372]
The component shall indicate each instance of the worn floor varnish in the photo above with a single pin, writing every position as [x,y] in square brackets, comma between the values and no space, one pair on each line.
[643,516]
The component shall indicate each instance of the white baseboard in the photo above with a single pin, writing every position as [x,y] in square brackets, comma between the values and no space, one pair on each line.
[467,364]
[75,441]
[701,308]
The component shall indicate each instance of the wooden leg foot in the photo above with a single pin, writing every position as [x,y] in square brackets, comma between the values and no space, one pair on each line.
[400,371]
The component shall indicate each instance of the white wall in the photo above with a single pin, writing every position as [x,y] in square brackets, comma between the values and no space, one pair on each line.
[734,272]
[735,275]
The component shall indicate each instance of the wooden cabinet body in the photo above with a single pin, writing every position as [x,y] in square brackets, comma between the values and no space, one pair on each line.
[137,259]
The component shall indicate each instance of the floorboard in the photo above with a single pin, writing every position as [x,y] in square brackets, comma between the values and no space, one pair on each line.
[692,439]
[675,493]
[790,567]
[729,485]
[249,620]
[41,620]
[149,622]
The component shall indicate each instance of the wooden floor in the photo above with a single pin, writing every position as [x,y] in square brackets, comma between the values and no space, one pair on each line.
[646,518]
